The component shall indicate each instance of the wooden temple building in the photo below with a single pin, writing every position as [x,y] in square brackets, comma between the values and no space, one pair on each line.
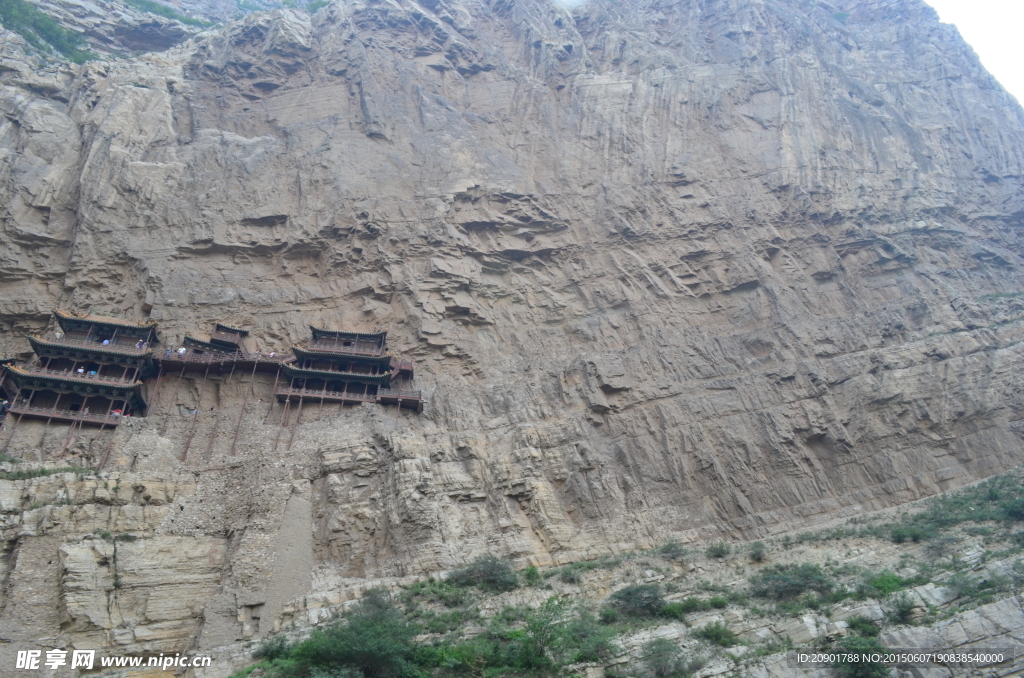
[90,371]
[347,367]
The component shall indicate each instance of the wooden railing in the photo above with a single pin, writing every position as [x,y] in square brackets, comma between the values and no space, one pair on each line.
[212,357]
[126,347]
[398,393]
[316,394]
[330,347]
[93,418]
[84,376]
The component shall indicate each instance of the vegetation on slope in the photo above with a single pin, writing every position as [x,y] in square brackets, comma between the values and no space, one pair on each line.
[167,12]
[450,628]
[42,31]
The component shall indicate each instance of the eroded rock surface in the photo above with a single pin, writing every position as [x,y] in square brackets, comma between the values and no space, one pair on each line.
[666,270]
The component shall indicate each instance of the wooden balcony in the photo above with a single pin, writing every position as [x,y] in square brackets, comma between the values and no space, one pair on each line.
[84,377]
[310,396]
[127,347]
[330,347]
[384,396]
[71,416]
[401,397]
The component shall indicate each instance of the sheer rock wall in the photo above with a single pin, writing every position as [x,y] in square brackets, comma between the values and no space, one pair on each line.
[666,270]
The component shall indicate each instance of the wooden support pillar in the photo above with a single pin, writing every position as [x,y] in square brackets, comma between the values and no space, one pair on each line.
[163,426]
[295,427]
[195,415]
[14,427]
[273,393]
[209,447]
[284,415]
[245,400]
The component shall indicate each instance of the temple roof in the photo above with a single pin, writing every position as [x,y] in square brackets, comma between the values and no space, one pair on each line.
[292,371]
[192,342]
[97,351]
[355,336]
[325,354]
[231,330]
[71,320]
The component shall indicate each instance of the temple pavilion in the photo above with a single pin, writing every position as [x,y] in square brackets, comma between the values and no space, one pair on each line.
[347,367]
[224,339]
[89,371]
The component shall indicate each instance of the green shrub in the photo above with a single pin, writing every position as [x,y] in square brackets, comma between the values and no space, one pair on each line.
[912,533]
[608,615]
[664,659]
[374,638]
[899,608]
[883,584]
[717,633]
[680,609]
[785,582]
[272,648]
[758,551]
[1014,509]
[845,668]
[42,31]
[718,550]
[532,576]
[312,7]
[718,602]
[640,600]
[487,573]
[862,626]
[672,551]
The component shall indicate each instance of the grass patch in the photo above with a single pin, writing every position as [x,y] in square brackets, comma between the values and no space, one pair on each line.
[168,13]
[42,31]
[863,627]
[375,640]
[718,634]
[573,572]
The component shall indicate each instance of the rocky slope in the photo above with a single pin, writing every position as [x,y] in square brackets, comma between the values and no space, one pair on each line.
[666,270]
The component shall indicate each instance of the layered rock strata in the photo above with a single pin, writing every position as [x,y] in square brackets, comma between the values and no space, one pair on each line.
[667,270]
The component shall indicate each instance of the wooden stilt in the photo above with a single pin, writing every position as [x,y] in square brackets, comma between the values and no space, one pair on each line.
[156,390]
[284,418]
[245,400]
[110,444]
[273,393]
[195,415]
[163,426]
[295,426]
[16,422]
[213,430]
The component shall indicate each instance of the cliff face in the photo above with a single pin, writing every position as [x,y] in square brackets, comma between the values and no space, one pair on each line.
[666,270]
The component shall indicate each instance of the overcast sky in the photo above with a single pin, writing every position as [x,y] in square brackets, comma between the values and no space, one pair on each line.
[995,29]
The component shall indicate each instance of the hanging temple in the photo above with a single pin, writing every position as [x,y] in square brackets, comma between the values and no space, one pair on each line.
[93,370]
